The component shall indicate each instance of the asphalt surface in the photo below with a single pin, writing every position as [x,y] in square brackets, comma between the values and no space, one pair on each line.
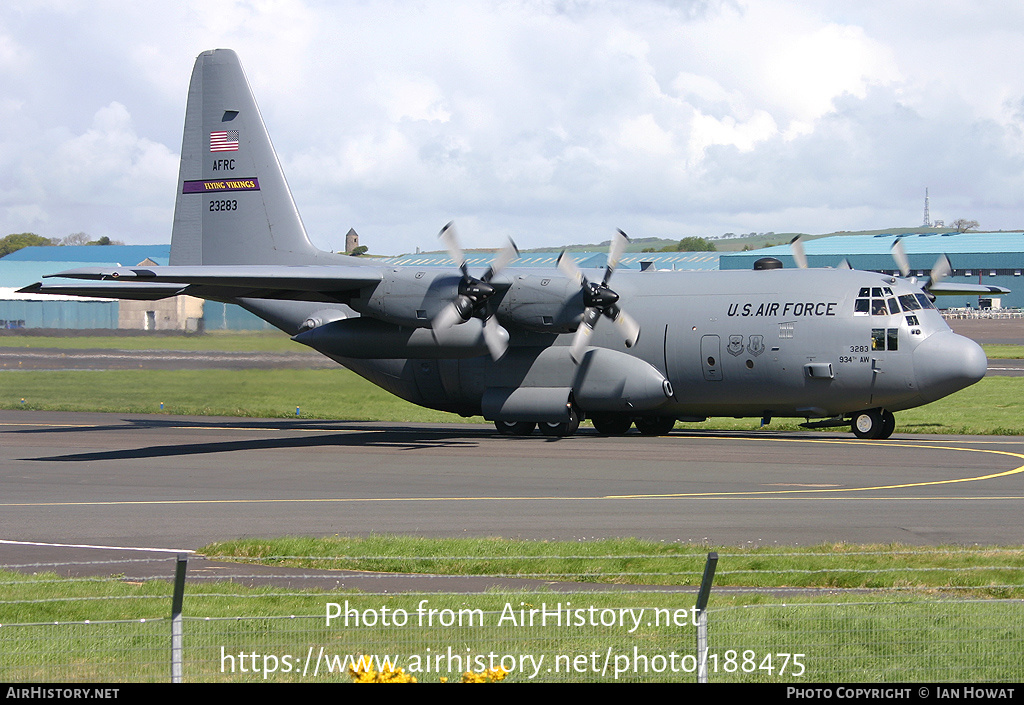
[179,483]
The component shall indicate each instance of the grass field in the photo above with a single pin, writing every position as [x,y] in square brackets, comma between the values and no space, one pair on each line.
[929,614]
[225,341]
[993,406]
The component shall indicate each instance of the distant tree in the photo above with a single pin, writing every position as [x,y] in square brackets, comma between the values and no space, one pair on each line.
[104,240]
[361,250]
[691,244]
[76,239]
[962,225]
[15,241]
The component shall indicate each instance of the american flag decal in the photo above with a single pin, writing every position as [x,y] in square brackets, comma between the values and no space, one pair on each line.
[224,141]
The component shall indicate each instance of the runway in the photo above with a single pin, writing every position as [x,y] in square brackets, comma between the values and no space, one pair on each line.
[182,482]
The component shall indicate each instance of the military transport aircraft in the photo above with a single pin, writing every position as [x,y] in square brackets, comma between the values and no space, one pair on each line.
[526,348]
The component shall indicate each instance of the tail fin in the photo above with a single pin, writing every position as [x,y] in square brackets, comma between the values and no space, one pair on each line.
[233,204]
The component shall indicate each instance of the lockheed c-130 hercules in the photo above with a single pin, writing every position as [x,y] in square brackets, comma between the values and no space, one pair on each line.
[526,348]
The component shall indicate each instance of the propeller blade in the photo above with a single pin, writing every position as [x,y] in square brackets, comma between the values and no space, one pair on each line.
[899,255]
[506,255]
[618,245]
[796,247]
[451,243]
[451,314]
[845,264]
[628,328]
[569,268]
[941,270]
[583,333]
[496,338]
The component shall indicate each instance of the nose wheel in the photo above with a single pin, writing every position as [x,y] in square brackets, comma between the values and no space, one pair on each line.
[873,424]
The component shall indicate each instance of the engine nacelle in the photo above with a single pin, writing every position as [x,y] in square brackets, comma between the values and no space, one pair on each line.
[409,297]
[545,304]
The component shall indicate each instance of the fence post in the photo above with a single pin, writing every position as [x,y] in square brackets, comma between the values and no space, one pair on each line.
[702,617]
[176,630]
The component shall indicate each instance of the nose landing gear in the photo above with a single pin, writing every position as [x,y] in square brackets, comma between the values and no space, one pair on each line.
[873,424]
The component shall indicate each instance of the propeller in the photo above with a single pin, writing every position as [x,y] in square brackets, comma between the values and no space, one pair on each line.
[796,247]
[599,300]
[940,270]
[899,255]
[473,294]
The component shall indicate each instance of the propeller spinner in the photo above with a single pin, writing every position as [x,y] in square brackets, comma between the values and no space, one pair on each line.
[599,300]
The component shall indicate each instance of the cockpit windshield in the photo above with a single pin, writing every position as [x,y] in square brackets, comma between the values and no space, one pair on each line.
[880,301]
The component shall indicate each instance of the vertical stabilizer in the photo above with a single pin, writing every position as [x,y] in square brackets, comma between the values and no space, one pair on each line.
[233,204]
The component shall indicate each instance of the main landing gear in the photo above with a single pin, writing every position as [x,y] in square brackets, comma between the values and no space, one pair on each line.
[525,428]
[873,424]
[605,424]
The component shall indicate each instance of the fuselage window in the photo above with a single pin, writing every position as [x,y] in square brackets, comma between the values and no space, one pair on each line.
[893,339]
[885,339]
[912,321]
[878,338]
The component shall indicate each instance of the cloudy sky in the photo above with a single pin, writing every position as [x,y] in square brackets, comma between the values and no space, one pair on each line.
[551,121]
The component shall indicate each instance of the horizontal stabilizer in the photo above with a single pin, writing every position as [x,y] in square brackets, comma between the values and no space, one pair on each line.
[294,283]
[107,290]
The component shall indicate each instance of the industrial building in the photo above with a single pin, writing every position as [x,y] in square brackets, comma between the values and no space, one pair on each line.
[987,258]
[31,264]
[981,258]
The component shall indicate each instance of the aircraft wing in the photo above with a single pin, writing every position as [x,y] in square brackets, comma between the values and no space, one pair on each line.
[955,289]
[298,283]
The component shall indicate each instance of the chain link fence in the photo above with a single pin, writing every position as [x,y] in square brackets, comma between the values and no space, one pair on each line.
[119,628]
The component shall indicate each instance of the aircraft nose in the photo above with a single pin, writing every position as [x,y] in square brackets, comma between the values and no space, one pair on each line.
[946,362]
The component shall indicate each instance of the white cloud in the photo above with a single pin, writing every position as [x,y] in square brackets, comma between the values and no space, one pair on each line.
[551,121]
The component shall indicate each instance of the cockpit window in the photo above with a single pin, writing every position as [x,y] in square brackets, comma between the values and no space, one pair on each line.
[894,307]
[924,301]
[909,302]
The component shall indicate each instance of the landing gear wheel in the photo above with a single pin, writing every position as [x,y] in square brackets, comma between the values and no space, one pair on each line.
[561,429]
[888,424]
[874,424]
[611,424]
[515,428]
[655,425]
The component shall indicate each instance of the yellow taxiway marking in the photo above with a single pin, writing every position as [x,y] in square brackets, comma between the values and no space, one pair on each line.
[820,492]
[916,446]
